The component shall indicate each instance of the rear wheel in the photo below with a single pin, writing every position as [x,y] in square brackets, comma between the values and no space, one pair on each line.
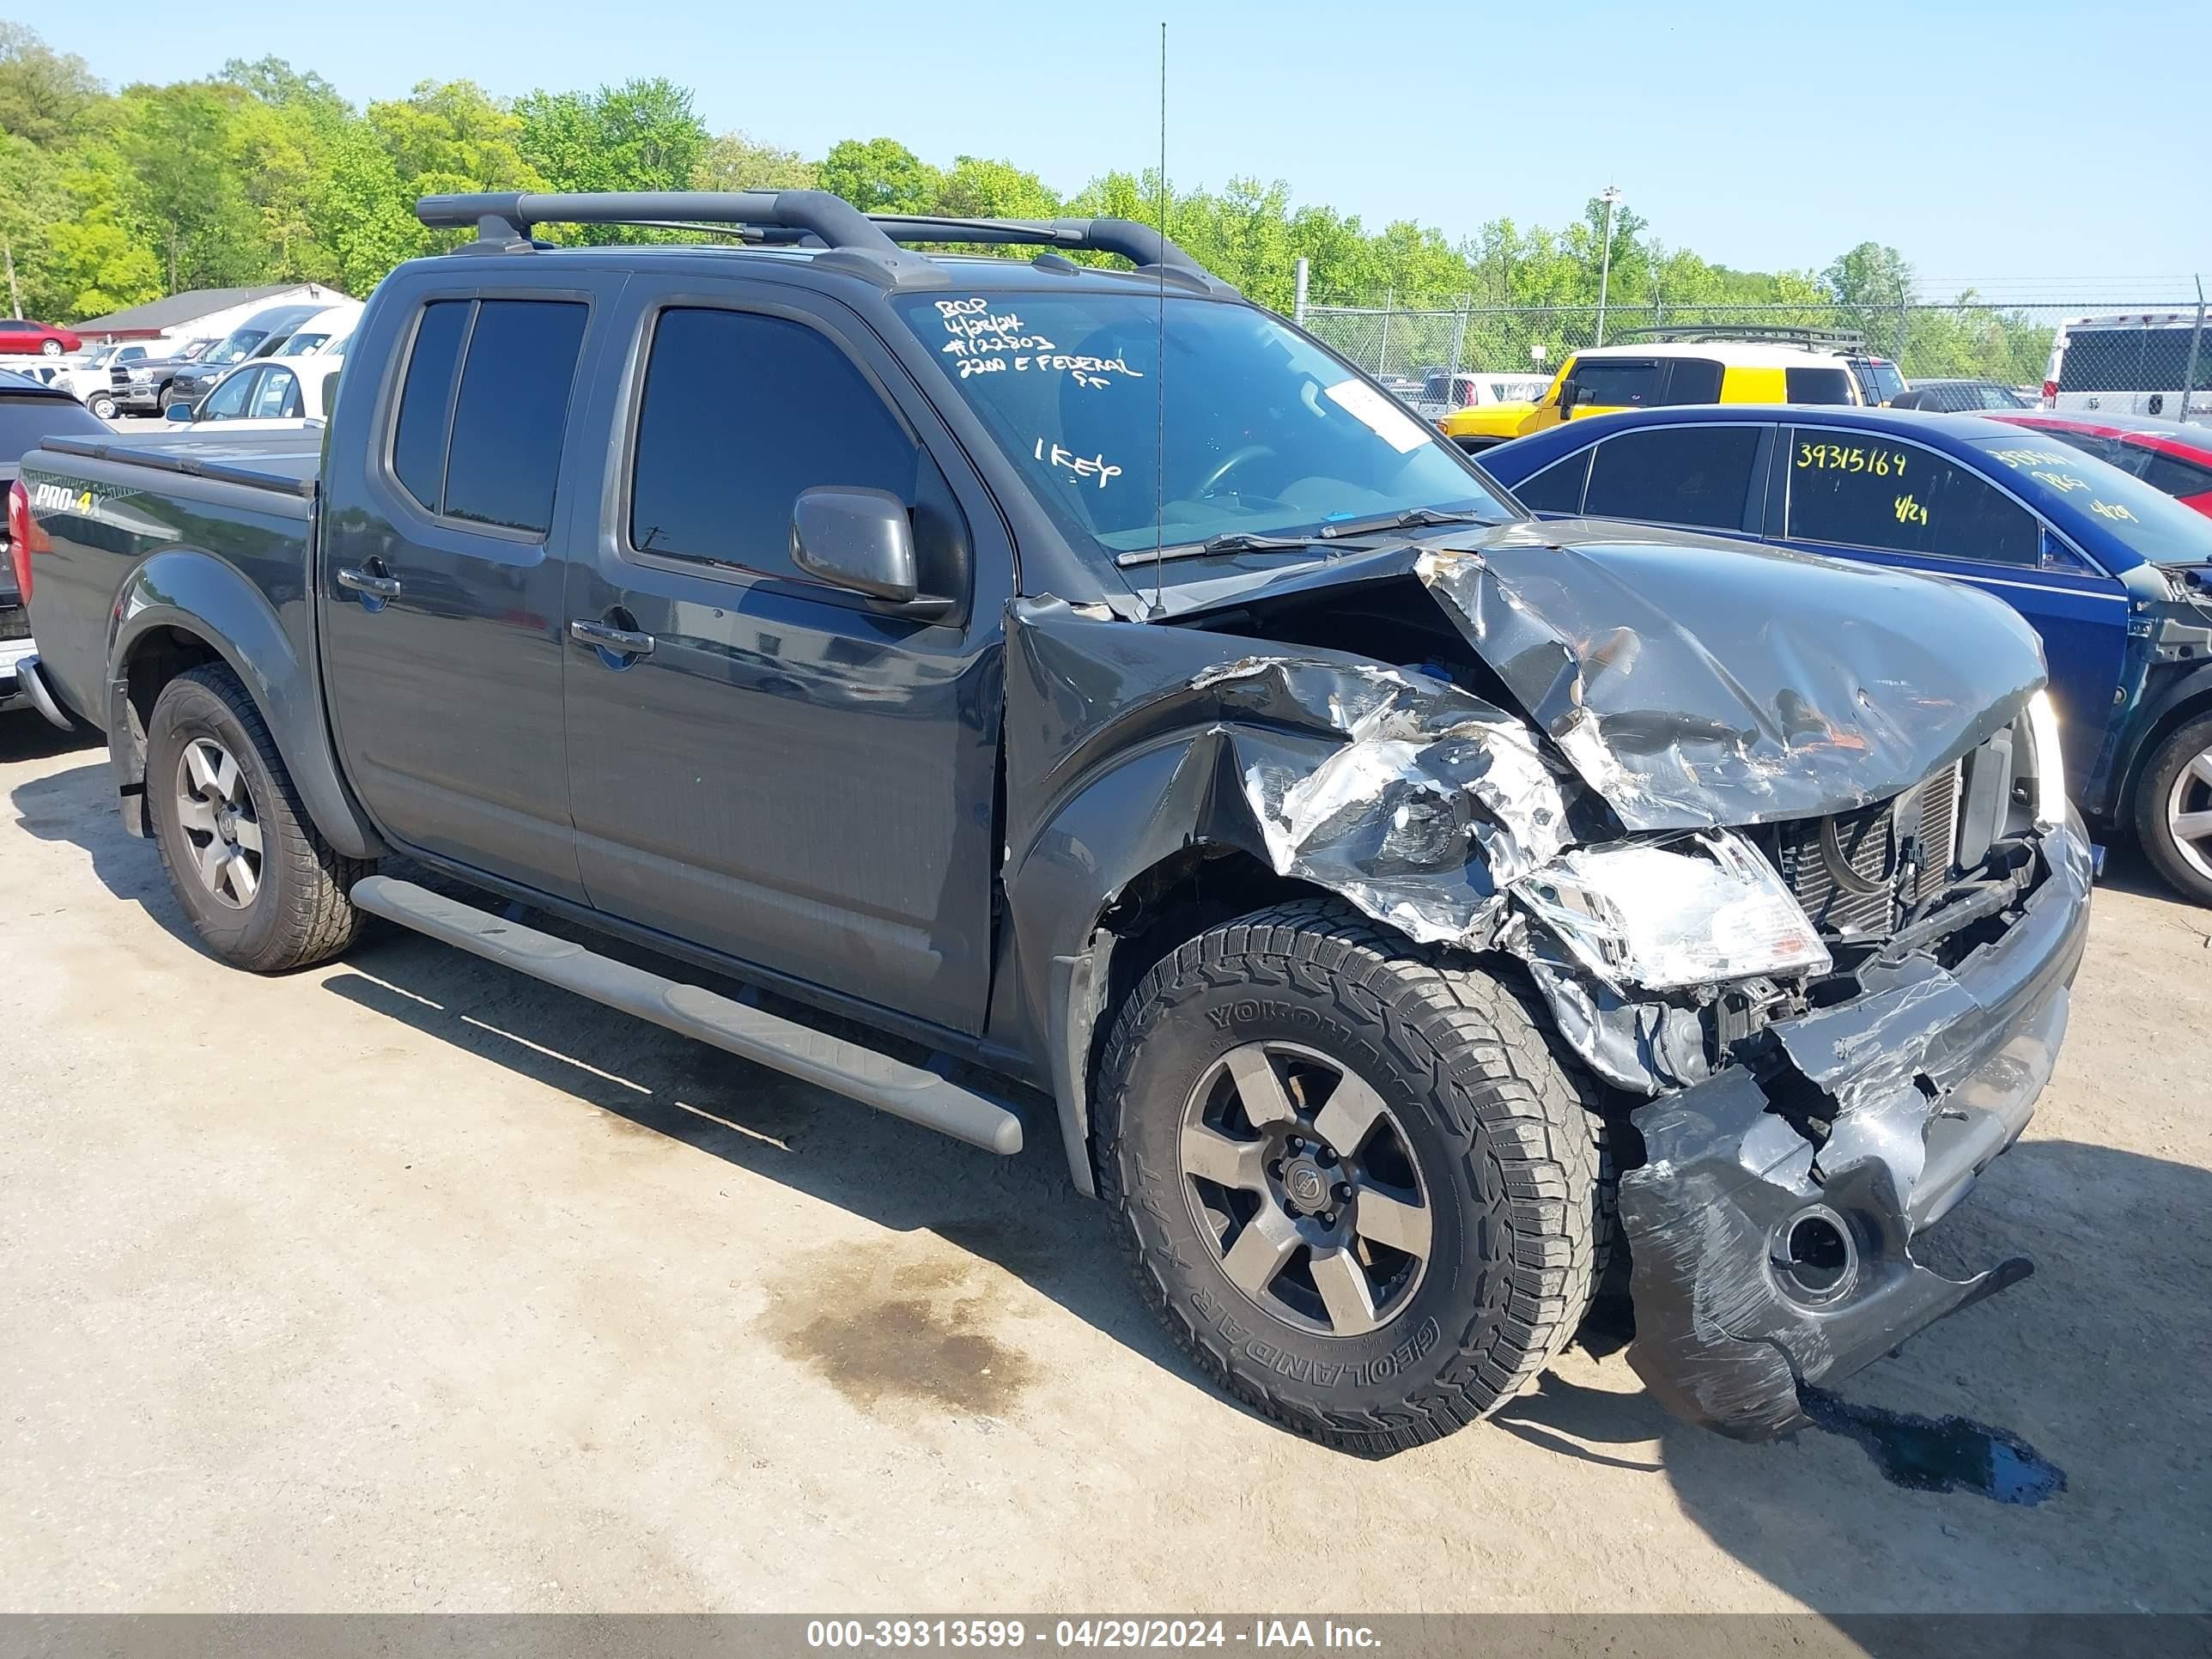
[2174,809]
[1358,1185]
[51,348]
[257,878]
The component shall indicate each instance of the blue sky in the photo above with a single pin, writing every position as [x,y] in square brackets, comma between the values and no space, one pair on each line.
[2022,144]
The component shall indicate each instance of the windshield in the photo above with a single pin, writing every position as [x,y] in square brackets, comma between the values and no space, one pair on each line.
[1264,434]
[2151,522]
[301,345]
[239,347]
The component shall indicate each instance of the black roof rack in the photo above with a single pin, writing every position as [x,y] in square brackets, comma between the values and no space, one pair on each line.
[1832,339]
[868,243]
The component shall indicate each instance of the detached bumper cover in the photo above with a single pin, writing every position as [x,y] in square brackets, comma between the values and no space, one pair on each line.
[1926,1077]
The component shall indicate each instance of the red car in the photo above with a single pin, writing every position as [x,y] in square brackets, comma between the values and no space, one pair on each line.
[42,339]
[2175,459]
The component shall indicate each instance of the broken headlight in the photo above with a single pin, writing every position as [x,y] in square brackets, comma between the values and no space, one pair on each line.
[2050,767]
[1688,911]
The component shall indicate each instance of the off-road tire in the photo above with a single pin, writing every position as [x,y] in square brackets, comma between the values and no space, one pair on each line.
[299,915]
[2153,787]
[1504,1141]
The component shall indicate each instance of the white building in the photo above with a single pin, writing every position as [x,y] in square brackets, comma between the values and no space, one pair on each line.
[203,313]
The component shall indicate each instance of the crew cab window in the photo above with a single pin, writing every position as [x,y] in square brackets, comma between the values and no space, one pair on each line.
[488,450]
[1816,386]
[740,413]
[1684,475]
[277,397]
[1863,489]
[1557,488]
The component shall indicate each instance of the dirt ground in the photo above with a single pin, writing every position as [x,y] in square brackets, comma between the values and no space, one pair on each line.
[408,1284]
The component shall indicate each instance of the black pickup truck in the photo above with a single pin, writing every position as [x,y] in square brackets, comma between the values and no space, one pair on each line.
[1407,907]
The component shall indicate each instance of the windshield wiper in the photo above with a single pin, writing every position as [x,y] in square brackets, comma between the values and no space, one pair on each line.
[1236,541]
[1413,518]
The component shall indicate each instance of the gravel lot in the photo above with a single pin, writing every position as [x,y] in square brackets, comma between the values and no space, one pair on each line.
[410,1283]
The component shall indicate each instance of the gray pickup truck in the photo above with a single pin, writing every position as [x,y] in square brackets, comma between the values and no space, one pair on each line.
[1405,914]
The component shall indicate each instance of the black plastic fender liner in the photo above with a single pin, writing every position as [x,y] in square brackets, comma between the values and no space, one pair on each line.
[873,1078]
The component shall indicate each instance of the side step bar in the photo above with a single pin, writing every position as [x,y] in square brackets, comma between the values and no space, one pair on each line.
[845,1068]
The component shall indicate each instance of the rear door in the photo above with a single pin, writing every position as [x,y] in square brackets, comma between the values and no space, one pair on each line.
[768,767]
[442,603]
[1888,501]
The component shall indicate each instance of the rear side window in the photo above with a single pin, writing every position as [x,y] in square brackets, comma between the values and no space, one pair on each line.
[418,443]
[1687,475]
[1693,380]
[1557,488]
[1862,490]
[740,413]
[2174,476]
[488,450]
[1817,385]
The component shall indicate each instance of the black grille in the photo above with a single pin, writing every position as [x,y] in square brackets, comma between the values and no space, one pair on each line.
[1869,840]
[15,621]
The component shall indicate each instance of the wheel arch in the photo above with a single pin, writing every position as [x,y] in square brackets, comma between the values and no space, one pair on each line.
[184,608]
[2189,698]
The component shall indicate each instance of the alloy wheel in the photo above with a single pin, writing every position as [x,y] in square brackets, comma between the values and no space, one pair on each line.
[1307,1184]
[2189,813]
[222,827]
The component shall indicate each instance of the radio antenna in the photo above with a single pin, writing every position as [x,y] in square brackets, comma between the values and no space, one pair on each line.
[1160,353]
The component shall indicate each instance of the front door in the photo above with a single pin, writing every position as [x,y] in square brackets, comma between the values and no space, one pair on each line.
[441,604]
[758,763]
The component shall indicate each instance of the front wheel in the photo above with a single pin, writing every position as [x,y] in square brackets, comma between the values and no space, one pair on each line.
[2174,809]
[261,885]
[1359,1186]
[105,408]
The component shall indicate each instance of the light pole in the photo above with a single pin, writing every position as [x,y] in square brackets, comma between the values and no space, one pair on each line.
[1611,196]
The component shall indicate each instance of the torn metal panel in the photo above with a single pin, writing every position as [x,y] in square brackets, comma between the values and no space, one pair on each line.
[1646,1047]
[1915,1084]
[1692,683]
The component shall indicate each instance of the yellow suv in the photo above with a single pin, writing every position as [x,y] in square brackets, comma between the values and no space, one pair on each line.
[1750,366]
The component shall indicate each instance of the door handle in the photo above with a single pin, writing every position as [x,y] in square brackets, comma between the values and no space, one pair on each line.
[623,641]
[369,581]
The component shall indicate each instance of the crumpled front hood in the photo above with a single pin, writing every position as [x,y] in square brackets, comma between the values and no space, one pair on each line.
[1691,681]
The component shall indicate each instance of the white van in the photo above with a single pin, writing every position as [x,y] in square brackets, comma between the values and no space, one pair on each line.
[2132,362]
[324,331]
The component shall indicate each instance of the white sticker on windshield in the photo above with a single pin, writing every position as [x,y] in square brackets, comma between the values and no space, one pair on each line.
[1380,413]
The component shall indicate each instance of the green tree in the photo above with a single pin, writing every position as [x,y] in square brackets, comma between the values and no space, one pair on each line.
[880,175]
[642,135]
[734,162]
[44,95]
[187,190]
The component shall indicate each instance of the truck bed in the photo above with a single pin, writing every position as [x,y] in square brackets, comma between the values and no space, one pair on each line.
[286,461]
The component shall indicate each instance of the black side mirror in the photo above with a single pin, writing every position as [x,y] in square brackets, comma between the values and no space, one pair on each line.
[861,540]
[179,413]
[330,394]
[1568,391]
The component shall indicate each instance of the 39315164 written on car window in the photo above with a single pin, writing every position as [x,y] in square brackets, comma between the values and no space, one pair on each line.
[1861,490]
[1264,432]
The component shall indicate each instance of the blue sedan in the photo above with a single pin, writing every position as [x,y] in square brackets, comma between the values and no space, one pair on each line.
[2115,576]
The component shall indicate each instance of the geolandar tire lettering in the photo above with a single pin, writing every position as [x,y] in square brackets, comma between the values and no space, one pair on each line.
[1358,1185]
[259,884]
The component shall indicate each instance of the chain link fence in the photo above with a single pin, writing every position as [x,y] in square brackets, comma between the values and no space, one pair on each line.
[2118,358]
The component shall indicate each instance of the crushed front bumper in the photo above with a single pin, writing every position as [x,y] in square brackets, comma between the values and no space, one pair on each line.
[1762,1262]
